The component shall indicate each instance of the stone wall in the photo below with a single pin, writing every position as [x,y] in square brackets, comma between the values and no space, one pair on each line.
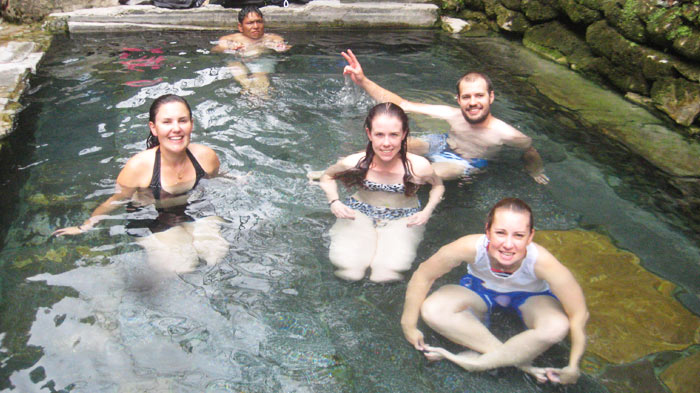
[36,10]
[647,49]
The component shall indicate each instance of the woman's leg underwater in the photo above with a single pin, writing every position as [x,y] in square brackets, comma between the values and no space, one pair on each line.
[353,244]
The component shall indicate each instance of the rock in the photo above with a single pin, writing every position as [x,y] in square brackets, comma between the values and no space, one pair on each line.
[637,377]
[677,97]
[452,25]
[578,13]
[623,16]
[626,57]
[539,10]
[556,41]
[511,4]
[510,20]
[661,25]
[478,24]
[691,13]
[682,375]
[614,331]
[36,10]
[688,43]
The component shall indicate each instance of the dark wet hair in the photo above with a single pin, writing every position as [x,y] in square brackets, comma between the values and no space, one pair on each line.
[247,10]
[474,76]
[513,204]
[355,176]
[152,140]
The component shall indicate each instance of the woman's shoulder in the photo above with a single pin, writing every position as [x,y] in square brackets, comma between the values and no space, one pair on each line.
[419,164]
[206,156]
[138,169]
[351,160]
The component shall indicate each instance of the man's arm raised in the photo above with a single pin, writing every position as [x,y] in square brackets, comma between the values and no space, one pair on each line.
[380,94]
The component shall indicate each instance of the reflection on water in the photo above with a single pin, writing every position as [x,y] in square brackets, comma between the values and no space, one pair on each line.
[86,314]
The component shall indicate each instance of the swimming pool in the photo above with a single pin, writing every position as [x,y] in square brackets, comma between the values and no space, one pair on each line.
[82,314]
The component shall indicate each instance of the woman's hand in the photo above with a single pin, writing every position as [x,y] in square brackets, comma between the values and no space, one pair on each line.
[564,375]
[341,210]
[415,337]
[420,218]
[69,231]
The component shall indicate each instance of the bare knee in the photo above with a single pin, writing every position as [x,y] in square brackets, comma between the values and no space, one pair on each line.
[350,274]
[553,329]
[432,310]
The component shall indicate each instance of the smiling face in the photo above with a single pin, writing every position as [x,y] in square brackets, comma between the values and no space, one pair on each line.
[386,137]
[252,26]
[509,235]
[475,100]
[172,126]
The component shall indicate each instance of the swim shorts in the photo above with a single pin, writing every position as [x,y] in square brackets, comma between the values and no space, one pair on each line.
[262,64]
[512,300]
[440,151]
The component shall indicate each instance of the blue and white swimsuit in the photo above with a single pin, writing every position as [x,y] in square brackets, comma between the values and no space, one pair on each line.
[382,213]
[440,151]
[508,292]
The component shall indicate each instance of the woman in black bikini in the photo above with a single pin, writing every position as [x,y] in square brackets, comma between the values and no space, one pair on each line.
[380,226]
[164,174]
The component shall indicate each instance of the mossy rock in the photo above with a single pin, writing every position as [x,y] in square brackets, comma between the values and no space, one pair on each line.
[626,57]
[661,25]
[691,13]
[512,4]
[510,20]
[688,43]
[619,294]
[474,4]
[578,13]
[540,10]
[475,16]
[490,7]
[677,97]
[682,375]
[622,15]
[556,41]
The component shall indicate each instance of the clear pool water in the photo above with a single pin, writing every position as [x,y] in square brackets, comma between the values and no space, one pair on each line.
[83,314]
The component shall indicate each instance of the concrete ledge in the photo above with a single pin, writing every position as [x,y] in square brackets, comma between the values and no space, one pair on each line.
[318,13]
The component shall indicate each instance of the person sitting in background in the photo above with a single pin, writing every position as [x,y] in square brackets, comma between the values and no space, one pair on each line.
[251,43]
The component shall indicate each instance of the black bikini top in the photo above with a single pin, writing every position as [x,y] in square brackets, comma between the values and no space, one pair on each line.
[157,188]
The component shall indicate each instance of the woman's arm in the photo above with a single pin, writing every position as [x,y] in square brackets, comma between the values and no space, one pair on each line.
[130,179]
[330,186]
[424,173]
[446,259]
[565,287]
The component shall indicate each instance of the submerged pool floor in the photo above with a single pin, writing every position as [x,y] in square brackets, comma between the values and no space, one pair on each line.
[85,313]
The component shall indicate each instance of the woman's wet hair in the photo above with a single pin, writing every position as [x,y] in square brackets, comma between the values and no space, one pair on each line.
[355,176]
[512,204]
[152,140]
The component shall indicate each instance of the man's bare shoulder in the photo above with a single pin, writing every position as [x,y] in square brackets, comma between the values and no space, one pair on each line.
[231,37]
[272,37]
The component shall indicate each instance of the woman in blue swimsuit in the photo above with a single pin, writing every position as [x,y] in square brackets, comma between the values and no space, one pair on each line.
[164,174]
[380,226]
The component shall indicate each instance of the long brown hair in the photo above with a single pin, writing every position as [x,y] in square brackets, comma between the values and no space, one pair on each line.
[355,176]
